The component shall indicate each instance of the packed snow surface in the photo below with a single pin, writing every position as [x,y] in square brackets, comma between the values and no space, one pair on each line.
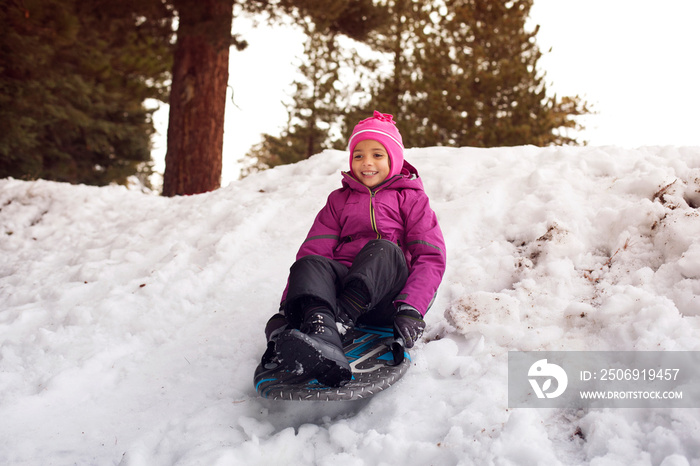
[131,324]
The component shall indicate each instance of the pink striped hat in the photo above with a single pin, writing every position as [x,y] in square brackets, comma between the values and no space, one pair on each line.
[380,127]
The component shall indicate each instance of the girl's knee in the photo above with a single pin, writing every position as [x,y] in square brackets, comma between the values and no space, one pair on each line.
[382,244]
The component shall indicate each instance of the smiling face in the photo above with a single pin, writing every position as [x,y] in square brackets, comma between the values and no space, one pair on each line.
[370,162]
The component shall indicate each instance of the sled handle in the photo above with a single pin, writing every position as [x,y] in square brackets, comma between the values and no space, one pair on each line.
[397,350]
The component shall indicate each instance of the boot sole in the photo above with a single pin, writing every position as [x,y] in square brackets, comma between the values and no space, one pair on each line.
[311,358]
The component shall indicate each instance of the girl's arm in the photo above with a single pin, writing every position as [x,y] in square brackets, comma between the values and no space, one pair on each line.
[323,235]
[325,231]
[426,246]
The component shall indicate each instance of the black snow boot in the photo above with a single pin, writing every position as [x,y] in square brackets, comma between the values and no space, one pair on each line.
[316,350]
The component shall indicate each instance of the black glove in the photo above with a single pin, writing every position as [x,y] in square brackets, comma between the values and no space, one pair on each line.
[409,324]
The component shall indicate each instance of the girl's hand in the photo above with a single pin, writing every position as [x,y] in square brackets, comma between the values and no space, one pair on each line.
[409,324]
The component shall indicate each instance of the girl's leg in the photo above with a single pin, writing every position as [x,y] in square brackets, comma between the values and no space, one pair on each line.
[314,348]
[313,281]
[376,277]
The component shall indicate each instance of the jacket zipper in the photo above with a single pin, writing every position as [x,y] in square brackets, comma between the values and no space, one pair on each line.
[372,217]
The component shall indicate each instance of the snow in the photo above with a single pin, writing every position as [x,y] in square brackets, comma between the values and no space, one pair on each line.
[130,324]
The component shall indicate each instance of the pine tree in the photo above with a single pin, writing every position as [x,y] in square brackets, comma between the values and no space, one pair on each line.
[465,74]
[195,131]
[316,110]
[322,96]
[73,80]
[198,97]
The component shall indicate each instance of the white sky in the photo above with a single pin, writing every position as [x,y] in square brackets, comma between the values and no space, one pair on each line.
[636,61]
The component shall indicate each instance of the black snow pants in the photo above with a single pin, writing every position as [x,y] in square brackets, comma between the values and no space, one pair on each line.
[380,265]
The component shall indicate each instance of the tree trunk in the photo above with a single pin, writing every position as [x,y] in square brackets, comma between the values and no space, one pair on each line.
[198,97]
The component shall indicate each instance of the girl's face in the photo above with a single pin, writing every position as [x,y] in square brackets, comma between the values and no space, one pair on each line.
[370,162]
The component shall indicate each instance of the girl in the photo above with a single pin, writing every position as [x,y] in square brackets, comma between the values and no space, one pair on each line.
[375,254]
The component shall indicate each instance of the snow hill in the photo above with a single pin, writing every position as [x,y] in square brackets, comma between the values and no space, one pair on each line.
[130,324]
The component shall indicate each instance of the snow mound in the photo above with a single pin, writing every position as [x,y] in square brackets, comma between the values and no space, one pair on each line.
[130,325]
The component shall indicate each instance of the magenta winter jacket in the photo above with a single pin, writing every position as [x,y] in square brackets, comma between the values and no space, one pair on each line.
[397,210]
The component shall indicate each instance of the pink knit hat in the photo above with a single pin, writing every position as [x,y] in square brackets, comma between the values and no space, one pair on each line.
[382,128]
